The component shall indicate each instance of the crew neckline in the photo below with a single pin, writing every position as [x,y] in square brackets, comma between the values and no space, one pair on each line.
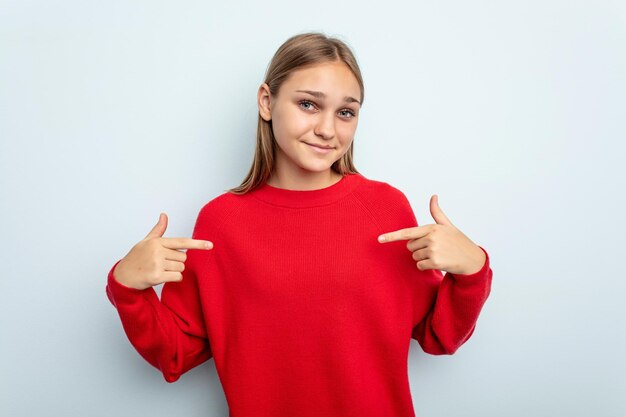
[307,198]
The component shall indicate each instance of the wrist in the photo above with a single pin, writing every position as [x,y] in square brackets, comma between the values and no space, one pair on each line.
[477,264]
[119,276]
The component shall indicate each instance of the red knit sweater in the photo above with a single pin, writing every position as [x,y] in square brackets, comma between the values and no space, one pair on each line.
[304,312]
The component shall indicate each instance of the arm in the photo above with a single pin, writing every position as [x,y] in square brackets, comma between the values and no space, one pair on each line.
[458,300]
[169,333]
[446,307]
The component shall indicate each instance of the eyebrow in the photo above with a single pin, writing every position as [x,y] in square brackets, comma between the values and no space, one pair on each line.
[321,95]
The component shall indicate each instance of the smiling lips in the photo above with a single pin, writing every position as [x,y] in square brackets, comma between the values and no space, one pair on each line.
[319,148]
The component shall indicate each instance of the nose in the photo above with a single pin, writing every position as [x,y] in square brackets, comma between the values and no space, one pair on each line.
[326,126]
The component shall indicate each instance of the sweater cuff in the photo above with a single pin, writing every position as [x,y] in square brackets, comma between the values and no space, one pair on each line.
[478,275]
[119,293]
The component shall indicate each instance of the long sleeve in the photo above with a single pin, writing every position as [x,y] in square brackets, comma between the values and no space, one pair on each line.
[307,313]
[449,305]
[452,319]
[169,333]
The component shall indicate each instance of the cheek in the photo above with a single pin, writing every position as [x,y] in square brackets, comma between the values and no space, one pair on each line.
[345,132]
[290,125]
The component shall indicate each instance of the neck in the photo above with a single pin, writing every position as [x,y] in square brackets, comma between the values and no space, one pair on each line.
[303,180]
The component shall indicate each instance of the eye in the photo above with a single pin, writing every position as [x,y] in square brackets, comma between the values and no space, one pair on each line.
[350,112]
[305,102]
[346,113]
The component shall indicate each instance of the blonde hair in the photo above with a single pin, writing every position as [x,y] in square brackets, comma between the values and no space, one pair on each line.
[296,52]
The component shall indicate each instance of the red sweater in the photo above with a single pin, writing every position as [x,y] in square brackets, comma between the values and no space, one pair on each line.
[304,312]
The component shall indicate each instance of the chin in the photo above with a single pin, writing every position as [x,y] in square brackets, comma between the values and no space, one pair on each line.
[316,167]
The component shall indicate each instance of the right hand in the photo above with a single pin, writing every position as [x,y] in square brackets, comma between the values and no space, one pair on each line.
[155,259]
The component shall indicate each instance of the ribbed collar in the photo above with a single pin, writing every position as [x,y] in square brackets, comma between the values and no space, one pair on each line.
[307,198]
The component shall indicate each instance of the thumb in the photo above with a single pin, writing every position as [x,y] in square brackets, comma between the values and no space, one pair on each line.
[159,228]
[437,213]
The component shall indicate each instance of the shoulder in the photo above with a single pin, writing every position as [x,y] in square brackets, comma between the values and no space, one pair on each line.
[376,191]
[223,202]
[214,213]
[385,201]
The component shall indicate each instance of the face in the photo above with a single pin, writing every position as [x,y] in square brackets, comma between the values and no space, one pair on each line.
[314,117]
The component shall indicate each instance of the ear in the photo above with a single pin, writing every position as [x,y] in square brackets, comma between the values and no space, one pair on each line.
[263,99]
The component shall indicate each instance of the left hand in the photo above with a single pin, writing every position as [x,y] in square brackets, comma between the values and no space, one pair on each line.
[440,246]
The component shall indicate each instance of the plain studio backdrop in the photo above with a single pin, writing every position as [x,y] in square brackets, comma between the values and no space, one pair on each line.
[512,112]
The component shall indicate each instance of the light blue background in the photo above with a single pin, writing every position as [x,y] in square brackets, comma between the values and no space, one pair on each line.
[512,112]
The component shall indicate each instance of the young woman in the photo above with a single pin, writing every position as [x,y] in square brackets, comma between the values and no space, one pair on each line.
[315,278]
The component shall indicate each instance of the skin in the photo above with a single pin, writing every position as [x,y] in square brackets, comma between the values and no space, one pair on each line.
[156,259]
[299,119]
[439,246]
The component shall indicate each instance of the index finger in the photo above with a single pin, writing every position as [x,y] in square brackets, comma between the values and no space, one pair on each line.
[185,243]
[405,234]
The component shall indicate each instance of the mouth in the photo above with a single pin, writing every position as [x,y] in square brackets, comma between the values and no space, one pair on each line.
[320,149]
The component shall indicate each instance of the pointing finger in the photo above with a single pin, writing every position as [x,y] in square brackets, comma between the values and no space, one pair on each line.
[405,234]
[185,243]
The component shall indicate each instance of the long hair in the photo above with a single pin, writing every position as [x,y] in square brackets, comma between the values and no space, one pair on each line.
[298,51]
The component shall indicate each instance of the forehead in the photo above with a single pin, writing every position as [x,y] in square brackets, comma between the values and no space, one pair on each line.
[332,78]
